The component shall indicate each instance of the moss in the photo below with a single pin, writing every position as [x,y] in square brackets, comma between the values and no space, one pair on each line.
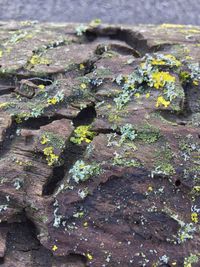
[112,117]
[148,134]
[164,168]
[81,134]
[22,116]
[184,76]
[163,162]
[103,72]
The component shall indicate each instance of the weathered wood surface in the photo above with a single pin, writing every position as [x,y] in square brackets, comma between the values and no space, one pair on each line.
[100,152]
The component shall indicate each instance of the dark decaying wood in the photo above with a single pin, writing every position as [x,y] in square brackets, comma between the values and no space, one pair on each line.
[100,151]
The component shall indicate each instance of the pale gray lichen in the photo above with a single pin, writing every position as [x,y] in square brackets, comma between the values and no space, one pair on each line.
[81,172]
[57,218]
[128,133]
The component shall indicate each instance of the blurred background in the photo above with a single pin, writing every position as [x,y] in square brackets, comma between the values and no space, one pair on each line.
[110,11]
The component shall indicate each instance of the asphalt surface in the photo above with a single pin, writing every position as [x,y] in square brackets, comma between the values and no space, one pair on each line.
[110,11]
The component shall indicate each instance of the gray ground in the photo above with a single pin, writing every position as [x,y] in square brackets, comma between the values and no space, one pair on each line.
[112,11]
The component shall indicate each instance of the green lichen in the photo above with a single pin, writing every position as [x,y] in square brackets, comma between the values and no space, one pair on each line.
[22,116]
[81,29]
[191,259]
[19,36]
[125,161]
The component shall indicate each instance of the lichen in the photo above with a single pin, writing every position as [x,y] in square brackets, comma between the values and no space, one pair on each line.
[58,97]
[81,134]
[163,163]
[191,259]
[162,102]
[127,133]
[161,78]
[38,60]
[148,76]
[124,161]
[51,157]
[6,105]
[81,171]
[52,139]
[194,217]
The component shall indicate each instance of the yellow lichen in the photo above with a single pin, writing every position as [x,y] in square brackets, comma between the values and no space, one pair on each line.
[4,105]
[194,217]
[81,66]
[85,224]
[54,248]
[190,31]
[52,101]
[147,95]
[166,25]
[160,78]
[195,82]
[51,157]
[162,102]
[41,86]
[89,256]
[137,95]
[166,60]
[83,86]
[36,60]
[150,188]
[158,62]
[82,134]
[1,53]
[44,140]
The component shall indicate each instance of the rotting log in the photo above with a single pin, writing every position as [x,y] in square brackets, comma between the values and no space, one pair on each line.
[100,151]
